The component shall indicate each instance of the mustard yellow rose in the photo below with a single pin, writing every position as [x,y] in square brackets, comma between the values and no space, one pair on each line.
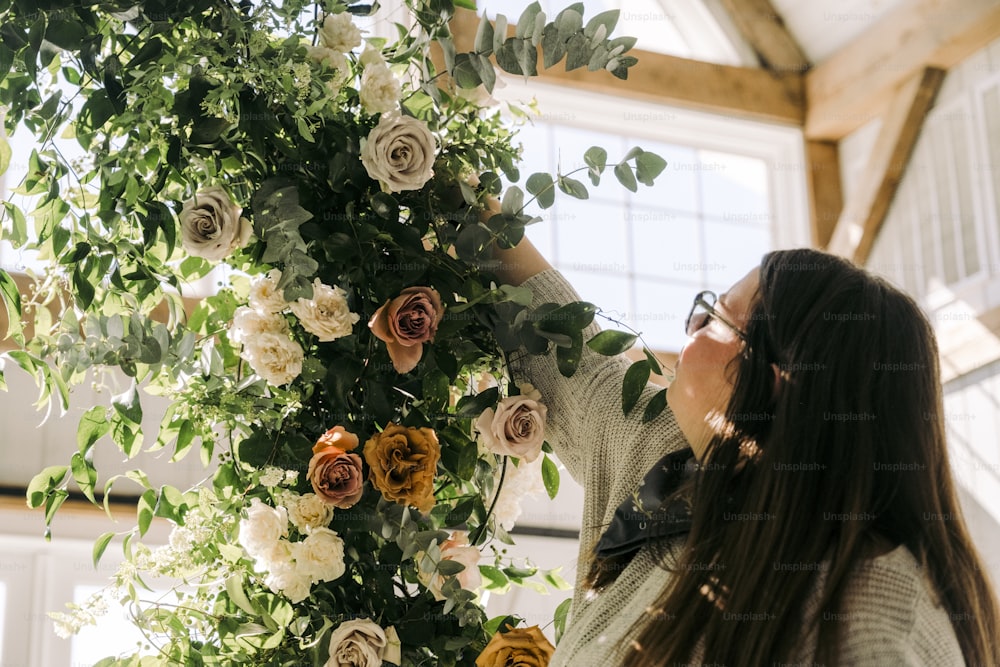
[403,461]
[518,647]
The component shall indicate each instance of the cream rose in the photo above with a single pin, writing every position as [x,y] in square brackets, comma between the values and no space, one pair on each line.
[265,297]
[379,90]
[249,323]
[211,226]
[456,549]
[517,427]
[399,153]
[274,357]
[405,323]
[308,511]
[320,556]
[288,580]
[339,33]
[262,528]
[326,314]
[335,61]
[363,643]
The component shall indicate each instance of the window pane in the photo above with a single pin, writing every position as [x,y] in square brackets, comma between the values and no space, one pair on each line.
[608,291]
[991,112]
[665,244]
[677,186]
[591,236]
[114,634]
[660,309]
[733,187]
[3,619]
[732,250]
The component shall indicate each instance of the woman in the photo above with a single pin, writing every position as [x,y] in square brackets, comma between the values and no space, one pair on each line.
[813,520]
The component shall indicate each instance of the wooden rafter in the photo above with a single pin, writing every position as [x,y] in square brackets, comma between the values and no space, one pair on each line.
[740,92]
[867,207]
[857,83]
[765,31]
[826,200]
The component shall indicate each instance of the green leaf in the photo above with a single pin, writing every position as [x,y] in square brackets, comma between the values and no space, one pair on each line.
[65,34]
[92,427]
[185,440]
[648,166]
[568,358]
[567,319]
[127,405]
[44,483]
[623,172]
[611,342]
[83,287]
[5,154]
[53,503]
[234,587]
[100,545]
[654,364]
[608,20]
[526,23]
[145,510]
[597,159]
[573,187]
[473,406]
[18,233]
[84,474]
[635,381]
[12,304]
[484,36]
[655,406]
[560,617]
[553,46]
[494,577]
[541,184]
[550,476]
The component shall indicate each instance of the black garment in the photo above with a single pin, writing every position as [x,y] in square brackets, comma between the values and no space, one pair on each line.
[644,516]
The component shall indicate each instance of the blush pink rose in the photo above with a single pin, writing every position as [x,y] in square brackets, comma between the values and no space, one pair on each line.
[517,427]
[405,323]
[334,474]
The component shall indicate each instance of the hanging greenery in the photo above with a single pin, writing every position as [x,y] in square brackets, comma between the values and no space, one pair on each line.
[346,385]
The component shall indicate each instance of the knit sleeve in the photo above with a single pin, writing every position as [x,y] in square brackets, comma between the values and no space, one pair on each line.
[604,450]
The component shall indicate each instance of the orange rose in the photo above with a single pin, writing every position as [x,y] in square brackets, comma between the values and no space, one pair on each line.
[338,437]
[405,323]
[519,647]
[403,461]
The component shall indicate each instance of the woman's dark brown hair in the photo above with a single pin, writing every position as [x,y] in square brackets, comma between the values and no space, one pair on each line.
[846,454]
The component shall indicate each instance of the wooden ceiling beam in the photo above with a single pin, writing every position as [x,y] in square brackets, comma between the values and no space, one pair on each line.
[765,31]
[867,207]
[741,92]
[826,201]
[857,83]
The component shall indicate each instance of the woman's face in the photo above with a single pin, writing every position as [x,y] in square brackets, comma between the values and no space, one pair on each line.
[702,381]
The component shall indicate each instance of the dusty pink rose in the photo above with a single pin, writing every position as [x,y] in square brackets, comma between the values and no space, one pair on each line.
[456,548]
[334,474]
[405,323]
[516,427]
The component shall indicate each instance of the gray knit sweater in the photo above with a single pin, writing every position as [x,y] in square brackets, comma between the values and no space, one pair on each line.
[891,615]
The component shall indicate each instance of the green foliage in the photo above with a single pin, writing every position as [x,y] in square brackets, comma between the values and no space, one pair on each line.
[194,113]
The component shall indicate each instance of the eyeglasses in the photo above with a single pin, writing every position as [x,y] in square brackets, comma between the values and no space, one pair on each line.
[702,312]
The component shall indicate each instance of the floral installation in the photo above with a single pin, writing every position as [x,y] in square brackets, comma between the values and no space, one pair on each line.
[359,471]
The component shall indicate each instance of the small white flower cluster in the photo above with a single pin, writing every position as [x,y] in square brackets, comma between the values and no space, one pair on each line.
[264,334]
[292,567]
[272,476]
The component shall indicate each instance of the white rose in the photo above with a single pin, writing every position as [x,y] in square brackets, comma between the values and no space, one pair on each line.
[287,580]
[274,357]
[517,427]
[326,314]
[264,293]
[379,89]
[249,323]
[309,511]
[211,226]
[335,61]
[457,549]
[320,555]
[339,33]
[519,483]
[362,643]
[399,153]
[262,528]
